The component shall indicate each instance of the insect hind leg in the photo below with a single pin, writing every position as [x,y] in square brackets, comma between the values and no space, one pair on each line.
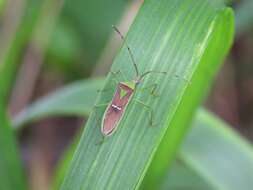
[152,89]
[102,141]
[114,74]
[150,110]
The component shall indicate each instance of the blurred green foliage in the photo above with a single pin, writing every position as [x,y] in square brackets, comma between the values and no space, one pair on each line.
[11,60]
[2,3]
[12,176]
[244,16]
[11,170]
[81,34]
[212,157]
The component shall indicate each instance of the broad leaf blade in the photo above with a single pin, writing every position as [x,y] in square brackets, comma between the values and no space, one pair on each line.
[166,36]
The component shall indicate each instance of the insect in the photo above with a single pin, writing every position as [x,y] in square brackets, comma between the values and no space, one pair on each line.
[122,96]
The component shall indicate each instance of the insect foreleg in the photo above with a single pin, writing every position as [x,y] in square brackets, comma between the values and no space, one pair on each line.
[103,90]
[116,80]
[150,110]
[101,105]
[118,72]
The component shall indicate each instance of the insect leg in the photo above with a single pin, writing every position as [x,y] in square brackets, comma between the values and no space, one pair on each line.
[101,105]
[178,77]
[129,50]
[152,88]
[148,108]
[115,73]
[101,141]
[103,90]
[116,80]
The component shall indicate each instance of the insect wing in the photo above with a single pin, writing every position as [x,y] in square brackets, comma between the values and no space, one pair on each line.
[115,110]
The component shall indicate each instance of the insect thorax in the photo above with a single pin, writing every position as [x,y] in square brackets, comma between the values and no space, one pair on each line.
[129,84]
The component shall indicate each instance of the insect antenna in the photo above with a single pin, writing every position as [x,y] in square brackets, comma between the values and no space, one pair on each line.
[128,48]
[148,72]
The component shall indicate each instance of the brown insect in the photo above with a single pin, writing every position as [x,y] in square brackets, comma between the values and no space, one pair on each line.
[123,95]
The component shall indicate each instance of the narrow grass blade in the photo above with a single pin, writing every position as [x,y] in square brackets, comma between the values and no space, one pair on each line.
[73,100]
[219,41]
[11,59]
[63,164]
[181,177]
[11,171]
[179,37]
[2,4]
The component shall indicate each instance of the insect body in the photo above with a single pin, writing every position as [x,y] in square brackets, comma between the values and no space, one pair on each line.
[116,108]
[123,94]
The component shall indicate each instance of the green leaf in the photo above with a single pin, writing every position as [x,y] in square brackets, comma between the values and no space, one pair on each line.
[63,164]
[81,34]
[208,148]
[11,59]
[11,171]
[207,145]
[214,154]
[186,38]
[208,65]
[75,100]
[182,177]
[2,5]
[93,36]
